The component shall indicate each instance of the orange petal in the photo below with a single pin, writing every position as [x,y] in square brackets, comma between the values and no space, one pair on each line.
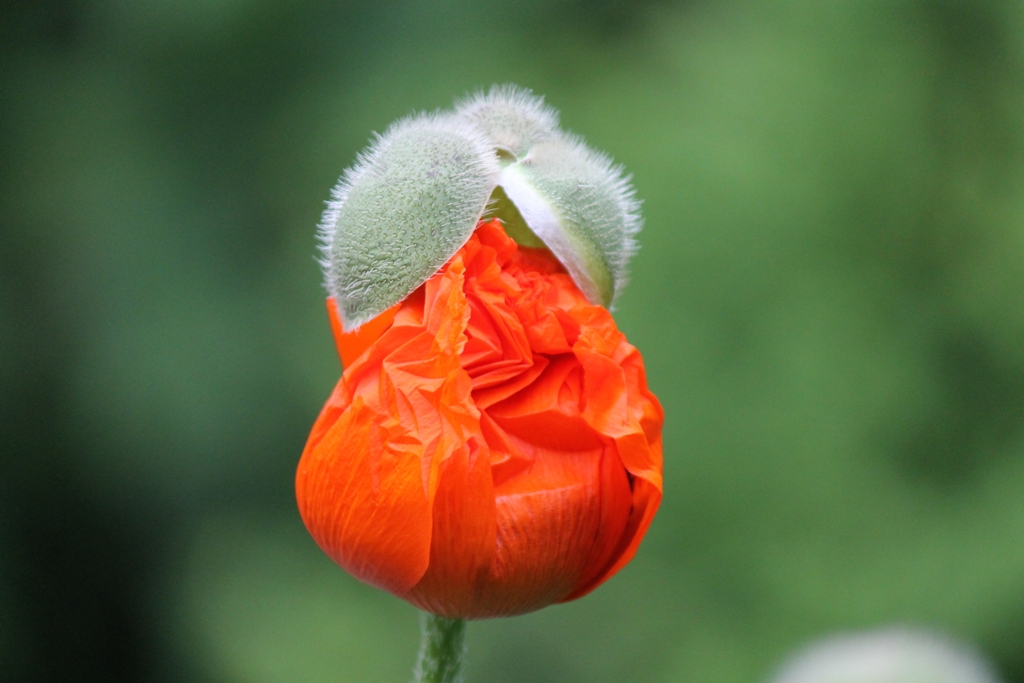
[361,496]
[351,345]
[464,536]
[615,406]
[618,527]
[546,412]
[646,499]
[549,522]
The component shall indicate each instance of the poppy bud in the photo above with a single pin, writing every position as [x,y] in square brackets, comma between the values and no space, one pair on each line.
[492,446]
[887,656]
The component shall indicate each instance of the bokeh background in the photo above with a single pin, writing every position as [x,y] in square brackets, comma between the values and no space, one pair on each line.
[829,298]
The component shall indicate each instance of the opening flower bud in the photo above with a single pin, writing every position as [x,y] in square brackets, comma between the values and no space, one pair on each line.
[492,446]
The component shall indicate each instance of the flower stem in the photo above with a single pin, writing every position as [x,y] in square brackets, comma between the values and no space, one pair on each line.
[441,650]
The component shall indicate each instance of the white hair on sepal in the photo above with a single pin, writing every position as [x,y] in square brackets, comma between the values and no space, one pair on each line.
[583,206]
[325,229]
[409,202]
[512,117]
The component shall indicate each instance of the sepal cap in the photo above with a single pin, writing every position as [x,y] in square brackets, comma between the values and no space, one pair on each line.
[407,205]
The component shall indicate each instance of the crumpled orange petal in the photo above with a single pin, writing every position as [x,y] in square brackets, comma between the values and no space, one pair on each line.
[492,446]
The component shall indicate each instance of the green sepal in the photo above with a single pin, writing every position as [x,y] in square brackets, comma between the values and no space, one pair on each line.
[414,197]
[512,118]
[582,206]
[407,205]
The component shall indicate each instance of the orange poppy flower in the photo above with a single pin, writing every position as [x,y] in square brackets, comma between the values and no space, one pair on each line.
[492,446]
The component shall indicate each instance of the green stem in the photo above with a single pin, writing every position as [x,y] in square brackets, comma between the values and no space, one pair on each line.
[441,650]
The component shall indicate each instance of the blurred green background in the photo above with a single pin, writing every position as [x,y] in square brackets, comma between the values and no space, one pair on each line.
[829,299]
